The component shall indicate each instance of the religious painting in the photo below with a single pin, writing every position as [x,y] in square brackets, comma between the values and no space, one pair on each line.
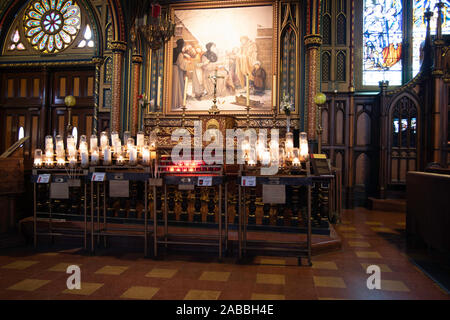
[222,53]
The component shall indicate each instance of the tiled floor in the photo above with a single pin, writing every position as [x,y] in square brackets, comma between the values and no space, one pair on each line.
[368,238]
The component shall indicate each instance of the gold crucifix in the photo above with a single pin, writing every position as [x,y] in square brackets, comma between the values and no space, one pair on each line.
[214,109]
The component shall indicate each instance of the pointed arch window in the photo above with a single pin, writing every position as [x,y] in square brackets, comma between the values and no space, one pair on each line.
[87,38]
[16,42]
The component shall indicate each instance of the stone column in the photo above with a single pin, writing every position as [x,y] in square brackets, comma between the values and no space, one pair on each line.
[312,43]
[118,49]
[137,64]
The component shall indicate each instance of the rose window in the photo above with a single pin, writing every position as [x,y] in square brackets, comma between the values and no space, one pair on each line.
[52,25]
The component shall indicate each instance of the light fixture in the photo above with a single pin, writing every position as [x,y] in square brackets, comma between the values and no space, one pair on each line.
[157,30]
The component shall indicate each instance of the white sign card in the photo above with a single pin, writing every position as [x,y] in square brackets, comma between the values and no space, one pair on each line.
[43,178]
[248,181]
[98,176]
[204,181]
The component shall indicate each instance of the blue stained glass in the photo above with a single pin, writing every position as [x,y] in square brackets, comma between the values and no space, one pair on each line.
[420,28]
[382,42]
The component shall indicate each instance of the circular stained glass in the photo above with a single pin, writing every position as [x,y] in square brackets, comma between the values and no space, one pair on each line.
[52,25]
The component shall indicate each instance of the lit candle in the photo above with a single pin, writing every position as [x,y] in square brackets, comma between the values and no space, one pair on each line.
[185,90]
[48,142]
[60,162]
[107,156]
[296,157]
[248,89]
[153,155]
[104,140]
[37,158]
[93,142]
[130,143]
[94,156]
[266,158]
[48,162]
[49,153]
[70,142]
[84,159]
[140,139]
[133,156]
[126,136]
[289,145]
[120,160]
[303,142]
[72,162]
[296,162]
[146,155]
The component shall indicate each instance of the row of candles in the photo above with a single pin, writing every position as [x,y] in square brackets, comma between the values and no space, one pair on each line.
[275,154]
[55,154]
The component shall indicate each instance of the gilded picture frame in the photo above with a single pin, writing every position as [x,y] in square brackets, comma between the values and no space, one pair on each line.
[235,98]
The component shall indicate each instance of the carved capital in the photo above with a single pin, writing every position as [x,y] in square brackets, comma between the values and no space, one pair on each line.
[118,46]
[137,58]
[313,40]
[98,60]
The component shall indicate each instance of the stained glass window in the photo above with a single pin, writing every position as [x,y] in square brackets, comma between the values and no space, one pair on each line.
[420,28]
[16,44]
[51,25]
[382,42]
[87,38]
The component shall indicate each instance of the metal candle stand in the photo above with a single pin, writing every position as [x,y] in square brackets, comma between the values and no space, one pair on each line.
[58,176]
[286,180]
[191,183]
[100,225]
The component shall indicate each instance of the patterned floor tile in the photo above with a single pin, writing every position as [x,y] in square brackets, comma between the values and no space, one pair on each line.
[329,282]
[29,285]
[112,270]
[161,273]
[267,278]
[202,295]
[142,293]
[215,276]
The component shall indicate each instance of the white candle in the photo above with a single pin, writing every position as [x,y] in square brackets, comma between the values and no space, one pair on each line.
[140,139]
[72,162]
[266,158]
[84,159]
[146,155]
[38,158]
[133,156]
[93,142]
[48,142]
[303,142]
[94,157]
[296,162]
[48,162]
[103,140]
[289,145]
[107,156]
[120,160]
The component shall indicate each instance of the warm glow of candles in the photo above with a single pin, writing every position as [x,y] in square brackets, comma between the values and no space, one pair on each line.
[289,144]
[133,156]
[37,158]
[265,159]
[153,155]
[146,155]
[60,162]
[107,156]
[72,162]
[303,142]
[103,140]
[94,157]
[84,159]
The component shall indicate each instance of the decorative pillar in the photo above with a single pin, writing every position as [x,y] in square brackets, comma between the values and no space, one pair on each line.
[118,49]
[439,107]
[98,61]
[384,128]
[137,64]
[312,43]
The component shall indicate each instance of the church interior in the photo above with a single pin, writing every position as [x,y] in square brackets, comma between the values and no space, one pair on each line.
[224,150]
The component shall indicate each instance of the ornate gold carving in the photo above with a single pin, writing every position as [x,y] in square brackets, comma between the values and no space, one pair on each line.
[137,58]
[313,40]
[119,46]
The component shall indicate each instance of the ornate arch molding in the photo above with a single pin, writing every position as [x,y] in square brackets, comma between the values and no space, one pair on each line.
[12,8]
[118,20]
